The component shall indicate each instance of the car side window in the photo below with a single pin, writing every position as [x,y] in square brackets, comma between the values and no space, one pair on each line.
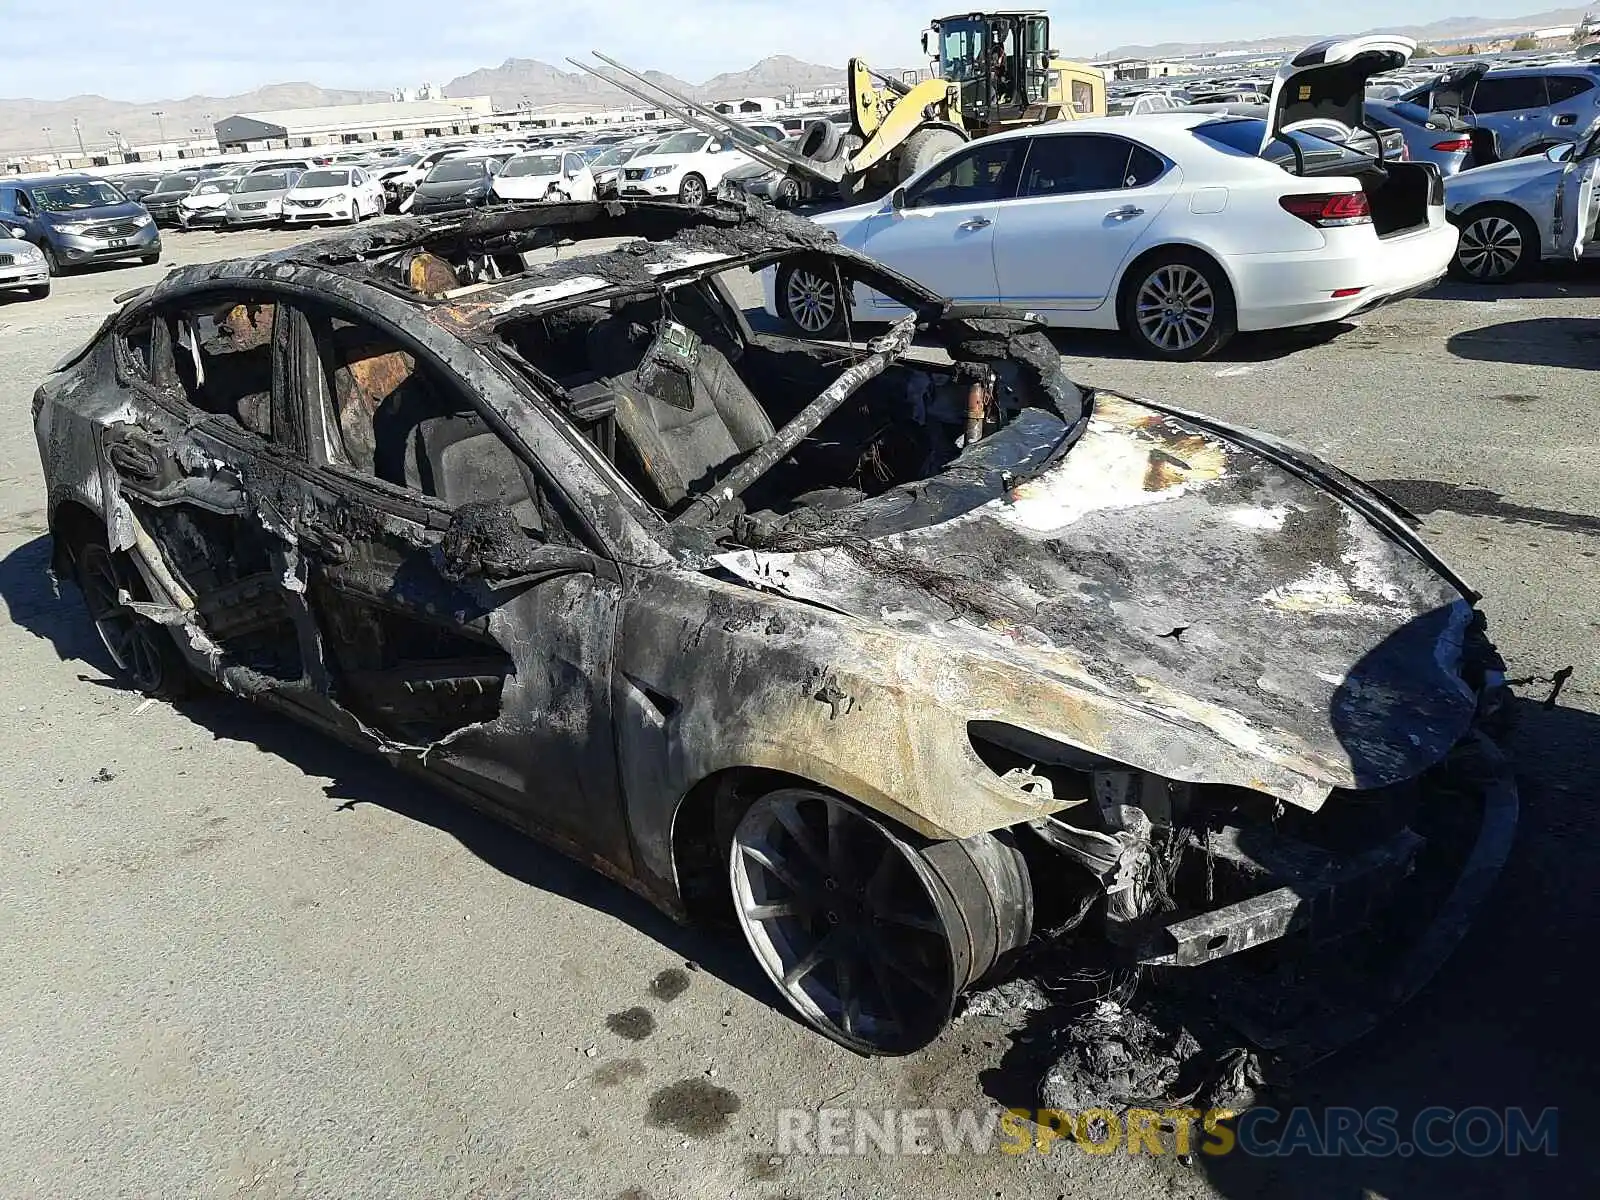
[138,344]
[1086,162]
[394,418]
[979,174]
[24,205]
[1508,94]
[222,356]
[1567,87]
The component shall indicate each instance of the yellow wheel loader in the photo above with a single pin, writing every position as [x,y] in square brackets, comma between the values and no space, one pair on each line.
[991,71]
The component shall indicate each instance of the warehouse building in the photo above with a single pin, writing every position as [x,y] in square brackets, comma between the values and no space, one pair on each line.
[346,124]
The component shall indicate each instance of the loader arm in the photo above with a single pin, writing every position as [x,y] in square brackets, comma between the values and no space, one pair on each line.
[885,118]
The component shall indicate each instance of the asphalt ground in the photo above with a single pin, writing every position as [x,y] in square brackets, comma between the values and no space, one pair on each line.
[237,959]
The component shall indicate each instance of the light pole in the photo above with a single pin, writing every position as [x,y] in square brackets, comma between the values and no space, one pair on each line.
[48,140]
[78,129]
[161,127]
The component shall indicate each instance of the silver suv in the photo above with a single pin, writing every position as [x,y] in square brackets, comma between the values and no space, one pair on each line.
[1513,111]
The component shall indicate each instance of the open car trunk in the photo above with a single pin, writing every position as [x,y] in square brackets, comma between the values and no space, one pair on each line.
[1400,194]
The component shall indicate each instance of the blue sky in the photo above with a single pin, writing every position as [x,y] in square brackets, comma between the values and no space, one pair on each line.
[168,49]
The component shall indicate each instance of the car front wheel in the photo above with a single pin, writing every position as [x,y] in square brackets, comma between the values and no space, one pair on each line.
[39,291]
[692,191]
[141,650]
[1177,305]
[1498,244]
[808,299]
[871,932]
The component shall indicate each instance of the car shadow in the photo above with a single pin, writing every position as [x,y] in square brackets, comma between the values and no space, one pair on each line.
[355,778]
[1539,342]
[1552,281]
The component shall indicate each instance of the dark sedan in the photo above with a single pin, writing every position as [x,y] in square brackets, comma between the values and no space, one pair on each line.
[163,202]
[456,183]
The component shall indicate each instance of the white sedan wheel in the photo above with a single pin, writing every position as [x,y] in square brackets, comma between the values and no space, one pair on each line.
[1175,308]
[812,301]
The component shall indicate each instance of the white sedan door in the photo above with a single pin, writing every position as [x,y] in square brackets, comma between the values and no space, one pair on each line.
[943,234]
[1083,205]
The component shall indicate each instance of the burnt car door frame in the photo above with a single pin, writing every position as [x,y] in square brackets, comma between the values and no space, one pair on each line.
[546,761]
[209,463]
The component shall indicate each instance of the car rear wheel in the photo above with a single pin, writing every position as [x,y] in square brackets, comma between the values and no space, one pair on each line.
[1498,244]
[141,650]
[1177,305]
[808,299]
[870,932]
[692,191]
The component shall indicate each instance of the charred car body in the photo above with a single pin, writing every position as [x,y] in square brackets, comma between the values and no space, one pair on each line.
[869,641]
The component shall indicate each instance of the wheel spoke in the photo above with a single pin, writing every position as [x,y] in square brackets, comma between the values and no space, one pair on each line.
[822,951]
[769,863]
[845,986]
[795,826]
[791,907]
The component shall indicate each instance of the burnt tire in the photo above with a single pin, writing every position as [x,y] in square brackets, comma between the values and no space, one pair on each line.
[1499,244]
[142,651]
[692,191]
[1177,305]
[922,149]
[808,300]
[870,931]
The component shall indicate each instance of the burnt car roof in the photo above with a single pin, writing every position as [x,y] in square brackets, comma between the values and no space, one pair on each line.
[661,243]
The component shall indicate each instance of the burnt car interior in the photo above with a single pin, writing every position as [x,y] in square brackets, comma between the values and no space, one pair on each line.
[678,394]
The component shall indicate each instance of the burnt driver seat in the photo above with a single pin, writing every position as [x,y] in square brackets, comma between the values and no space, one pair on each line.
[679,448]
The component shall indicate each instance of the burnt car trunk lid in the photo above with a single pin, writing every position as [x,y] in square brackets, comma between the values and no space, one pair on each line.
[1192,577]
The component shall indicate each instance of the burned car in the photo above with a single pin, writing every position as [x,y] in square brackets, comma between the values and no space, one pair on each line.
[873,648]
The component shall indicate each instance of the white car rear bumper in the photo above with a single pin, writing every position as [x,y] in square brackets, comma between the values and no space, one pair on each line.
[1277,291]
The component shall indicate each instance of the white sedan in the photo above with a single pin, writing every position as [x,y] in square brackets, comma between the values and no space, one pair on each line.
[545,175]
[22,264]
[687,166]
[1176,228]
[333,194]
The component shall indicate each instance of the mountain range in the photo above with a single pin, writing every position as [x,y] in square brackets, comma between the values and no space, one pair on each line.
[1443,30]
[31,125]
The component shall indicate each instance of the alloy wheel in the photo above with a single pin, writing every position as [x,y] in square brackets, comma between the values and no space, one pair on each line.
[812,301]
[693,192]
[1491,247]
[1175,307]
[846,920]
[129,640]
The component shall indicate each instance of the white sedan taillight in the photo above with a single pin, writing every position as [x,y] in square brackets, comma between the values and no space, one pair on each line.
[1330,211]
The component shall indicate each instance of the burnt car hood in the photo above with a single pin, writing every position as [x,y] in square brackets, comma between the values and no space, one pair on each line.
[1207,587]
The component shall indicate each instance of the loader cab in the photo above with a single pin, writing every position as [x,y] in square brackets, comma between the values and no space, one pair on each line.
[1001,62]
